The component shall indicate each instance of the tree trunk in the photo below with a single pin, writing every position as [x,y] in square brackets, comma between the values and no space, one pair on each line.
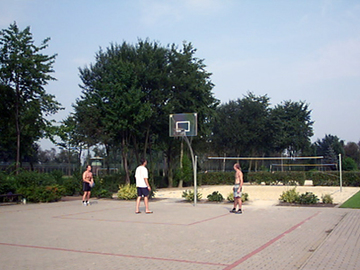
[169,169]
[125,161]
[146,142]
[17,120]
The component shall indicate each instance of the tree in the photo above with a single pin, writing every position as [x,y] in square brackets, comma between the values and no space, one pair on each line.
[7,130]
[129,92]
[329,147]
[242,127]
[71,142]
[25,72]
[292,127]
[352,150]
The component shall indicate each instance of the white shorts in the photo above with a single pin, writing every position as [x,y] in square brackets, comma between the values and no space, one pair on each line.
[236,189]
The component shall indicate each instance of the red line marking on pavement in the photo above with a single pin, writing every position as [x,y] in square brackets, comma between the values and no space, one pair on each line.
[248,256]
[113,254]
[69,216]
[201,221]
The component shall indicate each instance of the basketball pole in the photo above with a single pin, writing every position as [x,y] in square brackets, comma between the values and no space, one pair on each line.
[194,163]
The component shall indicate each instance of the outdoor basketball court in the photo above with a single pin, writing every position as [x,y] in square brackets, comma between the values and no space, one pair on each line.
[109,235]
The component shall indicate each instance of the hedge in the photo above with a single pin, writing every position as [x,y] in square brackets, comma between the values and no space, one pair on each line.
[351,179]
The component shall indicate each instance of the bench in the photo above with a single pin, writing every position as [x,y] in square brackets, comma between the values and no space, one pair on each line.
[9,197]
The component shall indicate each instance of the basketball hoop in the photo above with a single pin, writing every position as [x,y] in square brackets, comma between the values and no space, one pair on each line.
[180,132]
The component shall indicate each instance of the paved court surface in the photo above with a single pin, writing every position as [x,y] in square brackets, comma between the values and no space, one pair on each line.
[109,235]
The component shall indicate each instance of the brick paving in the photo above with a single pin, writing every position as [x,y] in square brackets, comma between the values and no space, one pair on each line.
[109,235]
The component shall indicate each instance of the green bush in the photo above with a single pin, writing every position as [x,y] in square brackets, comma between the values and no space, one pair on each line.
[324,178]
[326,198]
[7,183]
[111,182]
[215,197]
[102,193]
[127,192]
[189,195]
[350,179]
[290,196]
[274,178]
[216,178]
[42,193]
[72,186]
[58,176]
[308,198]
[34,179]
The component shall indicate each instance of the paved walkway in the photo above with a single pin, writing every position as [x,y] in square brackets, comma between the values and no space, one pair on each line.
[109,235]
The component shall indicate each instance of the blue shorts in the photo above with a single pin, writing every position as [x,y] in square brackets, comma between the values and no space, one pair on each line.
[142,191]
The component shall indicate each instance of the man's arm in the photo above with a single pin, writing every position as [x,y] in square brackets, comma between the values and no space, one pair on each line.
[147,183]
[241,180]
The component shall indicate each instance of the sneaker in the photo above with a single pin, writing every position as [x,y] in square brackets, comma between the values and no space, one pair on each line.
[233,210]
[88,203]
[239,211]
[84,203]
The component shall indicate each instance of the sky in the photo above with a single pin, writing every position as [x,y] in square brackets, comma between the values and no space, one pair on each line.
[298,50]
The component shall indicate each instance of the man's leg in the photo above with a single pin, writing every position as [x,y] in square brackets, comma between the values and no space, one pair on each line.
[138,204]
[239,211]
[88,196]
[146,201]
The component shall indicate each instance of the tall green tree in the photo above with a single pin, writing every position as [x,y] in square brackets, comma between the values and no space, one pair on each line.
[352,150]
[292,127]
[130,91]
[190,91]
[25,71]
[329,147]
[242,128]
[111,86]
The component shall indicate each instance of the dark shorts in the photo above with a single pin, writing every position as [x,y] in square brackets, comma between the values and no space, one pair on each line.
[142,192]
[86,186]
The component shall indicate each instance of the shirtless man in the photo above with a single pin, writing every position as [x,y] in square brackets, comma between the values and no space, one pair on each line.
[237,189]
[87,183]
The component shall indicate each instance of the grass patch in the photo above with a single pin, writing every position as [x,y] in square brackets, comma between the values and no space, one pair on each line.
[353,202]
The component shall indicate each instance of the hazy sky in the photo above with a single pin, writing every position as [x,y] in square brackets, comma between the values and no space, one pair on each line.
[299,50]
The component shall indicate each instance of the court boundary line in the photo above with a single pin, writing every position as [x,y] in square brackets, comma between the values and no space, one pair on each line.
[113,254]
[227,266]
[68,216]
[270,242]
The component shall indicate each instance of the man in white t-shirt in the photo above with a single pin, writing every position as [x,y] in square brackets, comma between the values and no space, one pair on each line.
[143,187]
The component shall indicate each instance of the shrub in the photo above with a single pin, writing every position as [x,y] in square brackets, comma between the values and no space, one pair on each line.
[290,196]
[72,186]
[58,176]
[7,184]
[308,198]
[215,197]
[273,178]
[189,195]
[216,178]
[42,193]
[34,179]
[102,193]
[127,192]
[326,198]
[244,197]
[111,182]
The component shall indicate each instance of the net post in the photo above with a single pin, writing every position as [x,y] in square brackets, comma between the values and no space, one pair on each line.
[195,180]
